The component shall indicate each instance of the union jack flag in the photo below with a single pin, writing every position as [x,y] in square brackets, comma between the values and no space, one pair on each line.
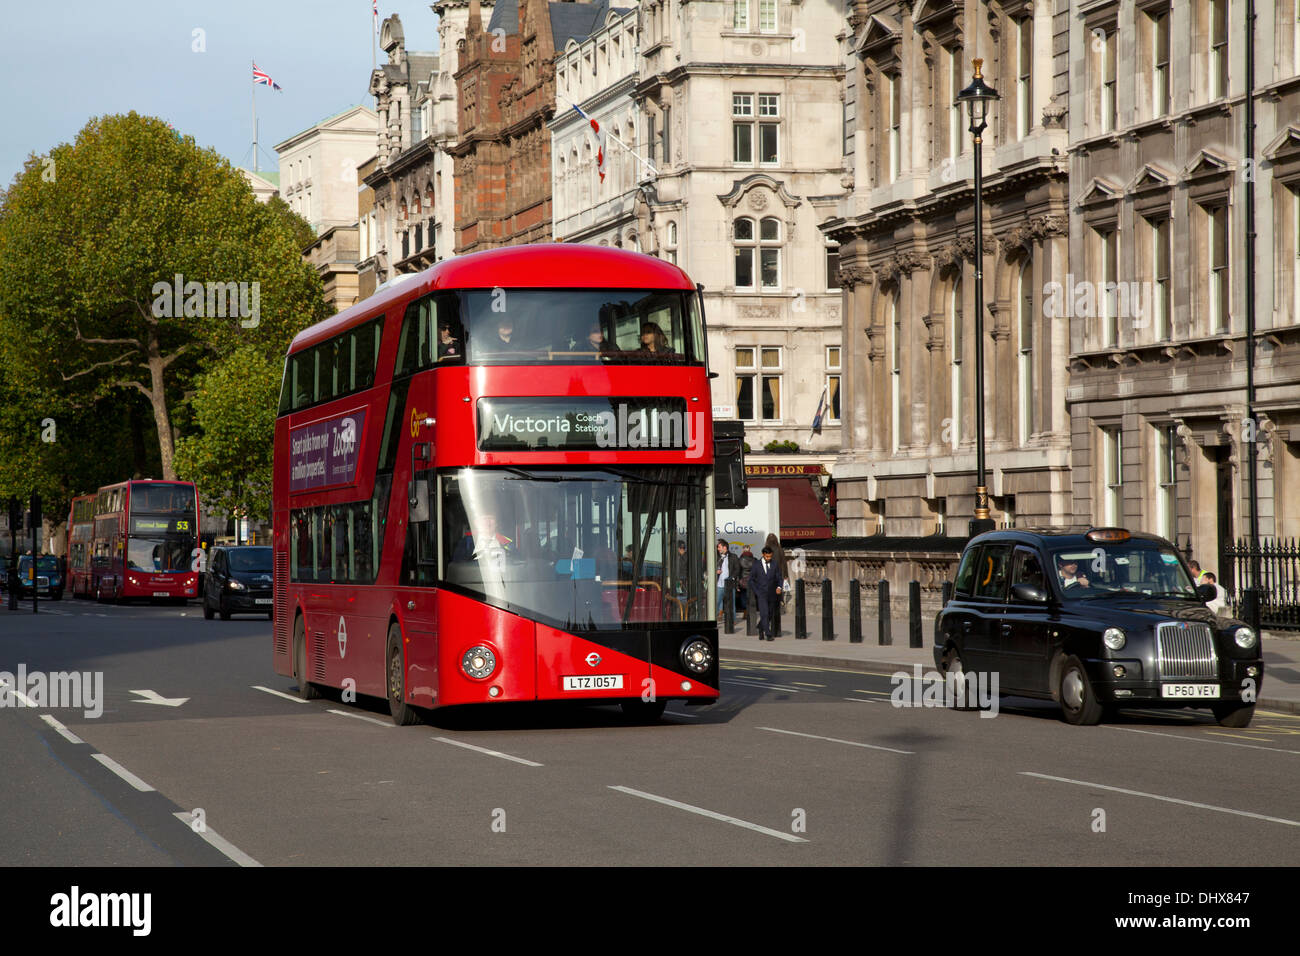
[600,142]
[264,79]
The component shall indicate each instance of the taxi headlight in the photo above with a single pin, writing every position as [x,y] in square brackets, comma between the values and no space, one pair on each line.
[1245,637]
[1113,638]
[479,662]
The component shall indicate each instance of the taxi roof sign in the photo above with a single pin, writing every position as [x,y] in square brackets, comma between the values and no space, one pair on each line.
[1108,534]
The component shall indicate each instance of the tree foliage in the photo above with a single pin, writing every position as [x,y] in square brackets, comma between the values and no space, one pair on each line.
[92,240]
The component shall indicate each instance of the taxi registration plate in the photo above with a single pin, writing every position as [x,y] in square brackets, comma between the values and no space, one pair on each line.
[1189,690]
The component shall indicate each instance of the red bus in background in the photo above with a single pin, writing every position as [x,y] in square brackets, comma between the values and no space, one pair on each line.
[481,479]
[134,539]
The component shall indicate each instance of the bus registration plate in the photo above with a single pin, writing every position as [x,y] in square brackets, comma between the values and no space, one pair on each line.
[162,594]
[594,682]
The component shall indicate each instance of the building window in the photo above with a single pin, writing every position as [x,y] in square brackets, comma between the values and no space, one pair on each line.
[832,267]
[1159,20]
[650,136]
[769,110]
[956,124]
[767,16]
[896,370]
[1024,76]
[1166,482]
[1218,17]
[670,242]
[1162,283]
[1295,247]
[1217,244]
[745,247]
[955,330]
[894,113]
[832,413]
[742,127]
[1107,265]
[769,253]
[667,150]
[758,387]
[1112,470]
[1108,78]
[740,16]
[1025,328]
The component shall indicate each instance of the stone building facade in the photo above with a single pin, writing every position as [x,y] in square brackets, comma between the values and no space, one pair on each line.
[597,73]
[906,234]
[740,111]
[1159,174]
[318,167]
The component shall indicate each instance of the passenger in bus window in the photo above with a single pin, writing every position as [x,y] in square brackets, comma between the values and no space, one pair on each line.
[595,342]
[653,340]
[450,349]
[504,340]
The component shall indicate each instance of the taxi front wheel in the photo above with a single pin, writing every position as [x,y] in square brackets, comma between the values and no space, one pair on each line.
[1231,714]
[1078,702]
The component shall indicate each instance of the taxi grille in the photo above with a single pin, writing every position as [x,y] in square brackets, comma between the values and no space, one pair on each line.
[1186,651]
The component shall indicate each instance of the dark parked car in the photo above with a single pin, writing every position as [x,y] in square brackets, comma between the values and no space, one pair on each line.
[238,581]
[47,578]
[1095,620]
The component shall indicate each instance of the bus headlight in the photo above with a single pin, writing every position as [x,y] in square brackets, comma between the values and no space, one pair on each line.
[697,656]
[1113,638]
[479,662]
[1244,637]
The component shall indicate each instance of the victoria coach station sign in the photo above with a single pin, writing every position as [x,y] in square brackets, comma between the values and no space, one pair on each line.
[586,423]
[325,453]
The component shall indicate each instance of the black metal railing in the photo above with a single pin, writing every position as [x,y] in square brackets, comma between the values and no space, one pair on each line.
[1279,580]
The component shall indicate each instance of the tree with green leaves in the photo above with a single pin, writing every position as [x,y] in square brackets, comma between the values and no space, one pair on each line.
[132,261]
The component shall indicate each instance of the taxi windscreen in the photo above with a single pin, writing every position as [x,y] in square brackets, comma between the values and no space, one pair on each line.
[1130,567]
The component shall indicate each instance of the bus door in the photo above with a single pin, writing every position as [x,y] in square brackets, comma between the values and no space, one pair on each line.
[417,595]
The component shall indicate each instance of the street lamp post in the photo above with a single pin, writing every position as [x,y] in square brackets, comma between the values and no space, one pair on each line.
[977,98]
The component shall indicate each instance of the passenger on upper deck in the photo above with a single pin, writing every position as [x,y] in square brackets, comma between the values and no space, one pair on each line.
[654,341]
[449,344]
[595,341]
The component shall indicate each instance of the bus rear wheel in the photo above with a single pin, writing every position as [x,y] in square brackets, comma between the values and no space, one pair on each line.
[306,689]
[403,713]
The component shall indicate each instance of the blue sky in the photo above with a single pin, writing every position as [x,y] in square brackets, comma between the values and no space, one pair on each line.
[64,61]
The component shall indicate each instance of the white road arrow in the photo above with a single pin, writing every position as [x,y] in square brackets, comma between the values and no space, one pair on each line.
[152,697]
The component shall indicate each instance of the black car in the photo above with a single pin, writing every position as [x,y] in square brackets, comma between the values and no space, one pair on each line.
[1095,619]
[45,576]
[238,581]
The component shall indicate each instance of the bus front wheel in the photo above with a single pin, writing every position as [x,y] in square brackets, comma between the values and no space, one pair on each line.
[403,713]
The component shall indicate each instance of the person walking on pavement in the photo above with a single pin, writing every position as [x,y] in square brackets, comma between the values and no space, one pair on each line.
[728,570]
[765,589]
[746,564]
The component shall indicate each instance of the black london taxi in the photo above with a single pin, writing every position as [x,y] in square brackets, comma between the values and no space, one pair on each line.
[1095,619]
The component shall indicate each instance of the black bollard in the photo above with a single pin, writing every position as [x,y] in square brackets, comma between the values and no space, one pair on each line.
[729,611]
[775,619]
[946,592]
[800,612]
[914,614]
[749,616]
[855,611]
[828,622]
[886,638]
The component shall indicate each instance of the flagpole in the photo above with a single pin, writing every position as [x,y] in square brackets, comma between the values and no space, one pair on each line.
[608,135]
[254,123]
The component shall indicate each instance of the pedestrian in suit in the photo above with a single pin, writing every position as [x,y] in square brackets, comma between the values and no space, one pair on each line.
[765,589]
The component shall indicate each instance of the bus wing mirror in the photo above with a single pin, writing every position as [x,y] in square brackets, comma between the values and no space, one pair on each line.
[419,501]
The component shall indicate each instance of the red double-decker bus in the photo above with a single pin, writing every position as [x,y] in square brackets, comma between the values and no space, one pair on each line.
[134,539]
[494,482]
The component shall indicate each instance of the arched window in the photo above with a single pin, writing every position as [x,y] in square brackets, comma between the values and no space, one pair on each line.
[956,319]
[769,253]
[1025,348]
[896,369]
[745,242]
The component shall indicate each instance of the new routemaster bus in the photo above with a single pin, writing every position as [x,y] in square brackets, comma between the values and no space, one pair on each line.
[134,539]
[481,479]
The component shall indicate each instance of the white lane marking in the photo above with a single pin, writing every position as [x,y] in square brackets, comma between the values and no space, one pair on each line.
[678,713]
[879,693]
[1156,796]
[863,700]
[836,740]
[122,772]
[64,732]
[27,701]
[218,842]
[734,821]
[745,683]
[373,720]
[279,693]
[806,684]
[1222,743]
[484,750]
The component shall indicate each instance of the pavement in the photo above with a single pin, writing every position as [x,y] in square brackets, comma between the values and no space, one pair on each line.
[1280,687]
